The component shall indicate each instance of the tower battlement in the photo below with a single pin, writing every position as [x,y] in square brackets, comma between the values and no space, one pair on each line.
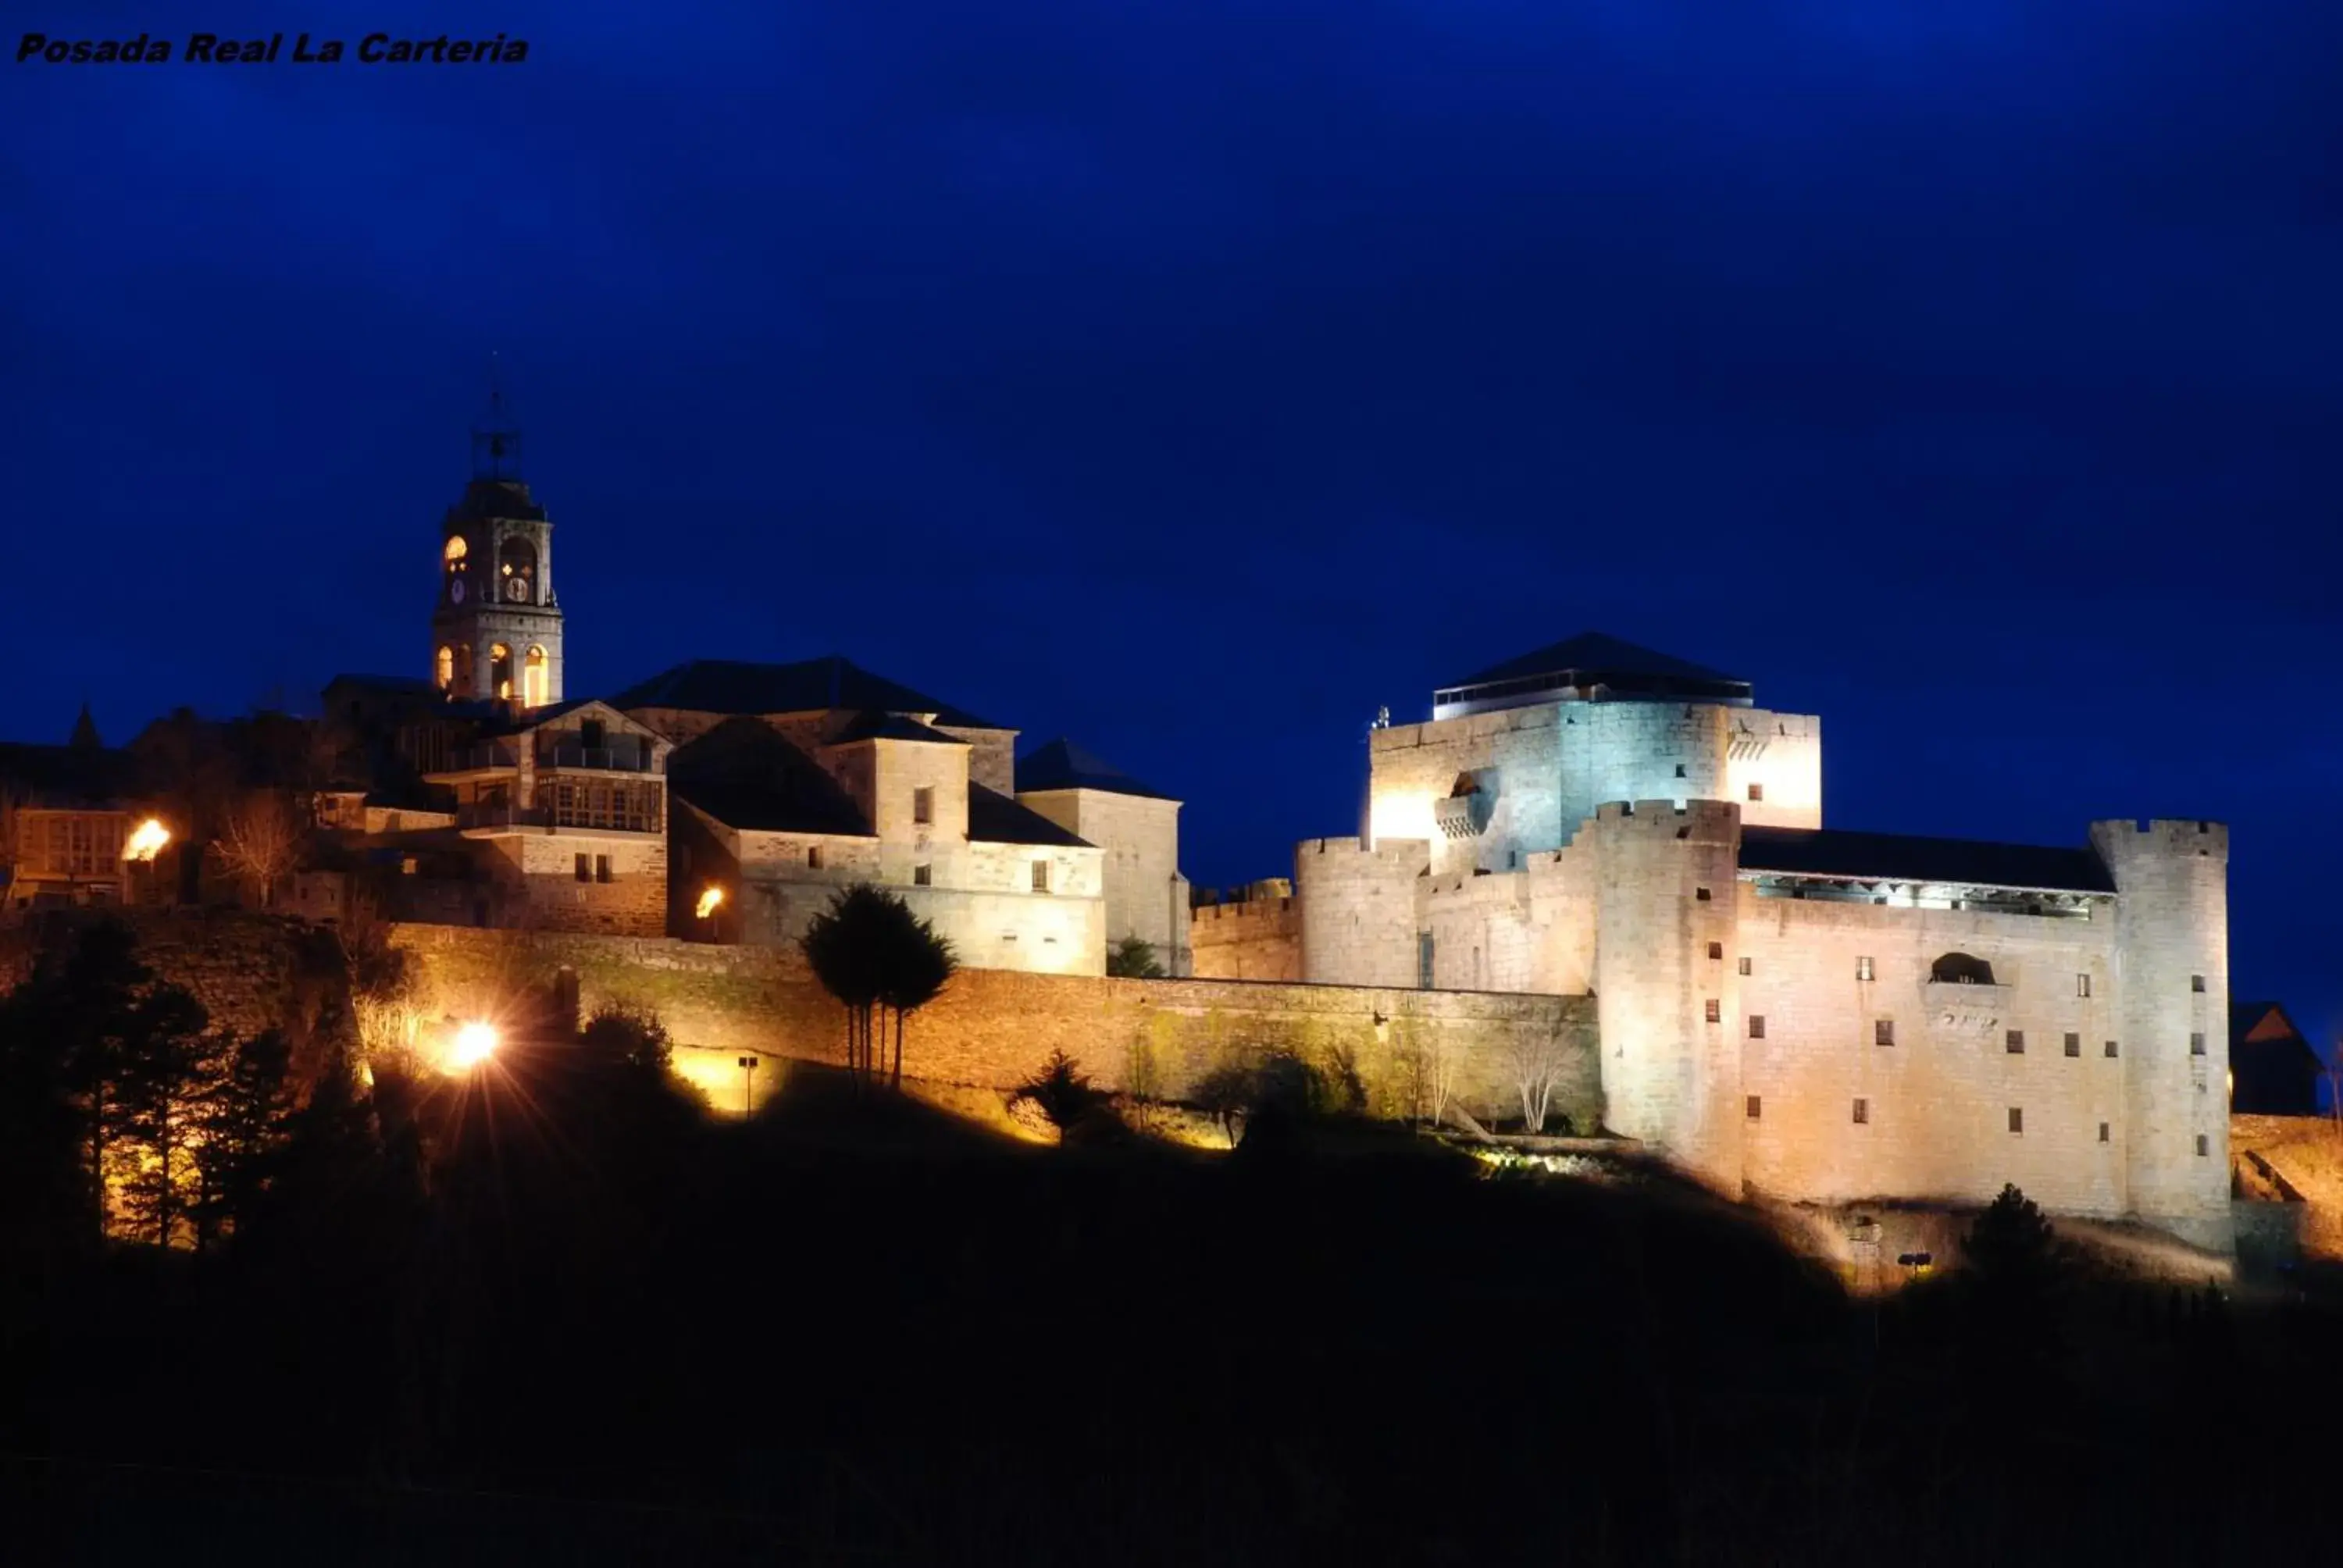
[2127,836]
[1694,821]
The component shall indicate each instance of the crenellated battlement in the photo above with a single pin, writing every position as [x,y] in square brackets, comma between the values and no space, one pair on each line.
[1316,856]
[2130,838]
[1694,821]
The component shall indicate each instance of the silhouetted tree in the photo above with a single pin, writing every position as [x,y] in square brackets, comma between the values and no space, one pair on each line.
[1133,958]
[243,1124]
[1226,1095]
[260,840]
[1060,1092]
[918,965]
[869,951]
[169,1067]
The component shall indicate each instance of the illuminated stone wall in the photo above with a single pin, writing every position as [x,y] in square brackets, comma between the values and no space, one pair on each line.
[1137,837]
[1359,916]
[990,1027]
[1780,756]
[633,903]
[1257,937]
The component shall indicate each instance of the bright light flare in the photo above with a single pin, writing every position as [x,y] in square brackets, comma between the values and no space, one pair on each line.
[708,900]
[475,1043]
[146,841]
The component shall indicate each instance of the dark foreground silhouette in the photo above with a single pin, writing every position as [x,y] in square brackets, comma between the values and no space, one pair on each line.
[551,1313]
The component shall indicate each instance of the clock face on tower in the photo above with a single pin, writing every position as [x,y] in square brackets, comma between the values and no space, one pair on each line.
[456,590]
[517,589]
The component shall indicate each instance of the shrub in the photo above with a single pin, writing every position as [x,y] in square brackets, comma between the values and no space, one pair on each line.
[1060,1091]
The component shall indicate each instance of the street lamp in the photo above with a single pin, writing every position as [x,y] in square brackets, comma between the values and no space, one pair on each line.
[748,1085]
[475,1043]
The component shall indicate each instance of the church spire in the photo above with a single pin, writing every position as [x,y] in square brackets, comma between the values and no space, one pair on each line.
[496,445]
[84,732]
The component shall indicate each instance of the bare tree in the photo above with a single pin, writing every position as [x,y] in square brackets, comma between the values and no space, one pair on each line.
[1435,1064]
[1537,1060]
[260,840]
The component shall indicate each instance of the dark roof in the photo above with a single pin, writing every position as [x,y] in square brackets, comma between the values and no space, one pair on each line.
[1902,857]
[1595,653]
[787,803]
[877,726]
[68,778]
[1060,764]
[995,818]
[809,686]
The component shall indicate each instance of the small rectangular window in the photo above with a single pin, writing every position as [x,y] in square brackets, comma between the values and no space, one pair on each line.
[2196,982]
[923,804]
[1744,966]
[1680,769]
[813,857]
[1883,1032]
[1862,970]
[2103,1133]
[1041,876]
[1716,950]
[1757,792]
[1715,1009]
[1861,1111]
[1756,1105]
[2074,1045]
[2203,1145]
[2015,1042]
[2195,1044]
[601,868]
[1700,895]
[923,876]
[2082,985]
[2111,1050]
[1756,1026]
[585,868]
[2016,1120]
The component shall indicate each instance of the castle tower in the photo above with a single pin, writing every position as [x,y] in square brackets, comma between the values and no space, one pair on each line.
[497,632]
[1360,923]
[2172,977]
[1669,1017]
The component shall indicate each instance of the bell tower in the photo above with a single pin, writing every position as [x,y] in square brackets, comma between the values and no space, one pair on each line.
[495,634]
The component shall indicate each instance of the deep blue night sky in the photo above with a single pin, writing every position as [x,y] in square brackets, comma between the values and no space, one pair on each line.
[1191,377]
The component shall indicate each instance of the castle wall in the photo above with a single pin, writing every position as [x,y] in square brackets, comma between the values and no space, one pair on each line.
[1359,915]
[1778,758]
[1414,765]
[1258,938]
[1663,887]
[2172,958]
[991,1028]
[1937,1100]
[1531,930]
[633,903]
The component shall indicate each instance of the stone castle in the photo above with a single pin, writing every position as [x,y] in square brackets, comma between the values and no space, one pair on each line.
[1593,863]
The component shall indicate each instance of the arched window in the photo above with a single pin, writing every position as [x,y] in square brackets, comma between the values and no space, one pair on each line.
[464,670]
[1960,968]
[517,569]
[536,676]
[457,551]
[500,671]
[444,667]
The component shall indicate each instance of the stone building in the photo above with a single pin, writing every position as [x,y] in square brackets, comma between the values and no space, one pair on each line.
[1137,830]
[1791,1010]
[68,816]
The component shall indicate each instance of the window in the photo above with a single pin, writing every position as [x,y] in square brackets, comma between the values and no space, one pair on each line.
[1744,966]
[2203,1145]
[1883,1032]
[1757,792]
[457,551]
[585,868]
[500,671]
[2015,1042]
[1862,970]
[1756,1026]
[1041,876]
[1757,1104]
[1716,950]
[813,857]
[601,868]
[443,667]
[923,876]
[2197,984]
[1680,769]
[1423,961]
[601,803]
[2074,1045]
[2197,1044]
[536,680]
[2111,1050]
[923,804]
[2016,1120]
[2082,985]
[2103,1133]
[1862,1113]
[1700,895]
[1714,1011]
[1960,968]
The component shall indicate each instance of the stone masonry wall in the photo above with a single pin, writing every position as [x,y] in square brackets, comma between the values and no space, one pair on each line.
[1255,940]
[991,1028]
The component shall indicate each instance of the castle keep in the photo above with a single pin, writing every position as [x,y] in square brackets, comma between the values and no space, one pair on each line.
[1594,864]
[1785,1006]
